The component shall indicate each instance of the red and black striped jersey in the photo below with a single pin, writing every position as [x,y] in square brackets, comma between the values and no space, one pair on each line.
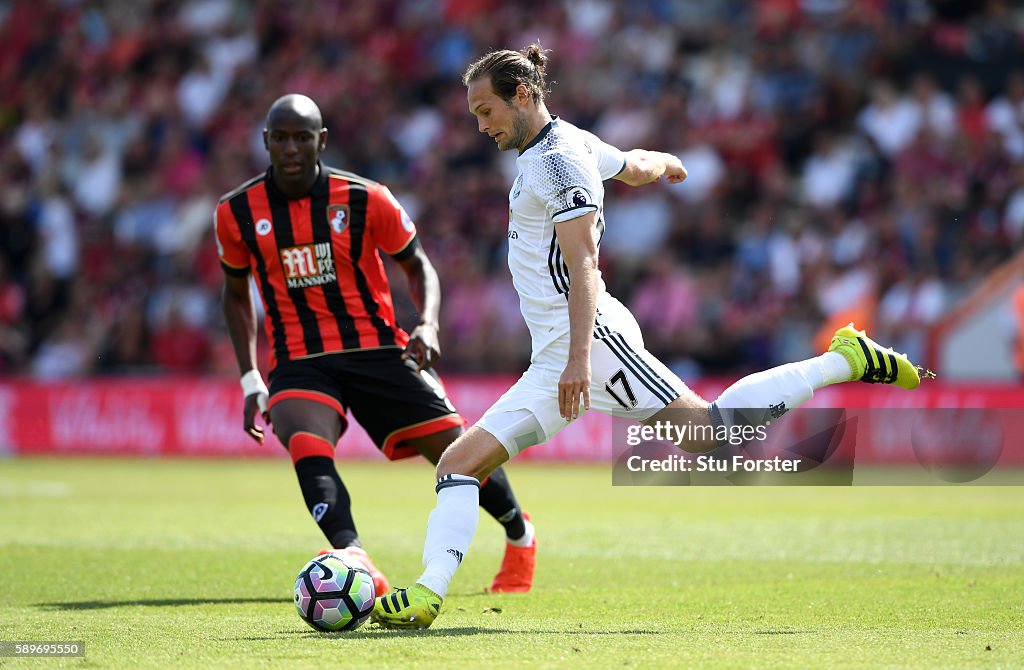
[316,262]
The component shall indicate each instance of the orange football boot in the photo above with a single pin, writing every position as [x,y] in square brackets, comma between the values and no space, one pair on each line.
[516,573]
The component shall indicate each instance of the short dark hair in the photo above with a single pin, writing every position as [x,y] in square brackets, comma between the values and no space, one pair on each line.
[507,69]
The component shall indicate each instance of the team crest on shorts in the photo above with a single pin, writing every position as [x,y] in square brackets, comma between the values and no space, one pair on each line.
[337,216]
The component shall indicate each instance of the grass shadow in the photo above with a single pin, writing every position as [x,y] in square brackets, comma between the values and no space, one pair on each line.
[157,602]
[374,633]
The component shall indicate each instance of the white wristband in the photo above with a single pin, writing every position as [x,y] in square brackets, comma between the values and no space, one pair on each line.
[253,383]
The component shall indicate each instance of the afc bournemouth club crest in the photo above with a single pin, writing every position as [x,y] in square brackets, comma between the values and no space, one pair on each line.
[337,216]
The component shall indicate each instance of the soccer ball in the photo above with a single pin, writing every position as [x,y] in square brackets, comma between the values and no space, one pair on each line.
[334,593]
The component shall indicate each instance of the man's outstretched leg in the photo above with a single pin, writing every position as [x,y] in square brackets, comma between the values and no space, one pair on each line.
[761,397]
[450,530]
[498,500]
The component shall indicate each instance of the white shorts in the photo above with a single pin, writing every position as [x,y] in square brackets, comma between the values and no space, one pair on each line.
[626,380]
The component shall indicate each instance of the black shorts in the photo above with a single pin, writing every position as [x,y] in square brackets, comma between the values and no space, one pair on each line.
[386,395]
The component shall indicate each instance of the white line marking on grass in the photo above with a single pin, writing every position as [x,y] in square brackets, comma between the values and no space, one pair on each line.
[36,488]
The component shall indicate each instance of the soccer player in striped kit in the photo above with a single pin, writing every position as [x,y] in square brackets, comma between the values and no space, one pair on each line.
[309,234]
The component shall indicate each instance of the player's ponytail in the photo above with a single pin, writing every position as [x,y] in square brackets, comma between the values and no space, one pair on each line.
[538,56]
[507,69]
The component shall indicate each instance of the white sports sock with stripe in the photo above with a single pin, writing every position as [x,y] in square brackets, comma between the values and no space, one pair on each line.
[767,395]
[450,529]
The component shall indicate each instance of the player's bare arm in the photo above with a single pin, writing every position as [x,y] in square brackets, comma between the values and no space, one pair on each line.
[579,248]
[425,288]
[240,314]
[643,167]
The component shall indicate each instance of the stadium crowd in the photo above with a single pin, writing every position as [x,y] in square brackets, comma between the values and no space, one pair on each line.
[847,158]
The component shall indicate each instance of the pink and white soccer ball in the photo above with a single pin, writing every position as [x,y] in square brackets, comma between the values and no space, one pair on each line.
[334,593]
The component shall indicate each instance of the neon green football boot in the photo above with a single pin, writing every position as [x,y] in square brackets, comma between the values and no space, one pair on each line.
[874,364]
[414,607]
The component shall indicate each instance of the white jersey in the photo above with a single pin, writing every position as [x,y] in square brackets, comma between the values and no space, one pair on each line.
[561,174]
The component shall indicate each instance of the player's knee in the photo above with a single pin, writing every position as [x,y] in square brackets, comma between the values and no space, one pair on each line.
[284,426]
[690,417]
[457,461]
[284,434]
[297,415]
[473,455]
[287,433]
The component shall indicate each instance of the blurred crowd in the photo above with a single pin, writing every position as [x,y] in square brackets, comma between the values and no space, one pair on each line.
[857,159]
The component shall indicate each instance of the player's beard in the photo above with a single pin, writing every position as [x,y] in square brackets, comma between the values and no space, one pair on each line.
[520,131]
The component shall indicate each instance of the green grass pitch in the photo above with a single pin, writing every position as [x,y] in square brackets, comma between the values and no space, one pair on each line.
[158,564]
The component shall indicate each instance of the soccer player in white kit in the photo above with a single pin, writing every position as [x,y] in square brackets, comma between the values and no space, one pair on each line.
[588,351]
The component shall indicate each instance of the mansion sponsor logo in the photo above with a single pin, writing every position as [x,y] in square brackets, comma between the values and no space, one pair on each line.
[308,265]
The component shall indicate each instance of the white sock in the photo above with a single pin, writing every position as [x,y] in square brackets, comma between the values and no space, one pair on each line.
[526,540]
[770,394]
[450,529]
[834,369]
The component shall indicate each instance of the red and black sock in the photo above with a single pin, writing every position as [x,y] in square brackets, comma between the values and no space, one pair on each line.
[325,494]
